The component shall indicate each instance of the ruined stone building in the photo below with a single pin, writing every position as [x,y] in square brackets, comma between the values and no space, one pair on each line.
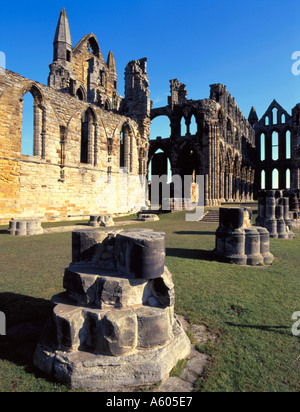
[89,144]
[222,148]
[277,147]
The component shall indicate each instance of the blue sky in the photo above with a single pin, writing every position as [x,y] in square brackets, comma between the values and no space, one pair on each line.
[247,45]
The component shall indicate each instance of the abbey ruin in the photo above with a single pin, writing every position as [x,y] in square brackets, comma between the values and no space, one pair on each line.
[91,146]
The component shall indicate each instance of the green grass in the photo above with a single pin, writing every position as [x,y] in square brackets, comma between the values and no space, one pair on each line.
[250,309]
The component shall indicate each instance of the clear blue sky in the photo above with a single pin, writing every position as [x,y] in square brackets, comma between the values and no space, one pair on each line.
[246,45]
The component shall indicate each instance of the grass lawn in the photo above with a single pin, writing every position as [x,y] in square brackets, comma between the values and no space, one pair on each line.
[250,309]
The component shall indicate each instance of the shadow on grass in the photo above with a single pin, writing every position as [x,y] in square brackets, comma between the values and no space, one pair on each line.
[282,330]
[195,233]
[26,318]
[191,254]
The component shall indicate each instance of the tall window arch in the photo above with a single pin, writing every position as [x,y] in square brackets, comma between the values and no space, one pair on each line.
[89,138]
[275,179]
[263,180]
[33,124]
[288,144]
[275,146]
[263,147]
[28,125]
[288,179]
[275,116]
[126,148]
[183,130]
[193,126]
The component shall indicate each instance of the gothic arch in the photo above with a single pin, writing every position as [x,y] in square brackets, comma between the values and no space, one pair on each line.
[39,120]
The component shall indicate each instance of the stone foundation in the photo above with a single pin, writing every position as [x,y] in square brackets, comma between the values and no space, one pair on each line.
[240,243]
[115,324]
[25,227]
[101,221]
[274,214]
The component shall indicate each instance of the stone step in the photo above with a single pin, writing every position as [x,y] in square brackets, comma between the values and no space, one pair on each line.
[211,217]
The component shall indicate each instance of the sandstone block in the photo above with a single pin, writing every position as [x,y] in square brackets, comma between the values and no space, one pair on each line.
[154,328]
[120,332]
[68,321]
[141,254]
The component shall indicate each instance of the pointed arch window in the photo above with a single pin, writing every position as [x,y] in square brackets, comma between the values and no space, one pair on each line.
[193,126]
[126,148]
[80,94]
[288,144]
[93,47]
[89,138]
[288,179]
[263,180]
[263,147]
[275,179]
[183,130]
[275,146]
[275,116]
[33,124]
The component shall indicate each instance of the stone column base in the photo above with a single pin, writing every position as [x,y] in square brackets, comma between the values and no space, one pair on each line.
[86,370]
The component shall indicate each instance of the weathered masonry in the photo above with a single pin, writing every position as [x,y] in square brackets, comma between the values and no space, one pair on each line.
[221,147]
[89,144]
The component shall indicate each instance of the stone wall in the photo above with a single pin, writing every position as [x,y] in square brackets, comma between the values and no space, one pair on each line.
[222,149]
[54,184]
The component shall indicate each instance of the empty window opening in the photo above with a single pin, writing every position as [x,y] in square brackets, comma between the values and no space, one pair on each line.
[79,94]
[183,127]
[263,147]
[160,165]
[160,127]
[88,138]
[84,141]
[275,179]
[93,47]
[122,149]
[68,56]
[288,179]
[274,116]
[193,126]
[275,146]
[288,145]
[263,180]
[283,118]
[267,121]
[28,125]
